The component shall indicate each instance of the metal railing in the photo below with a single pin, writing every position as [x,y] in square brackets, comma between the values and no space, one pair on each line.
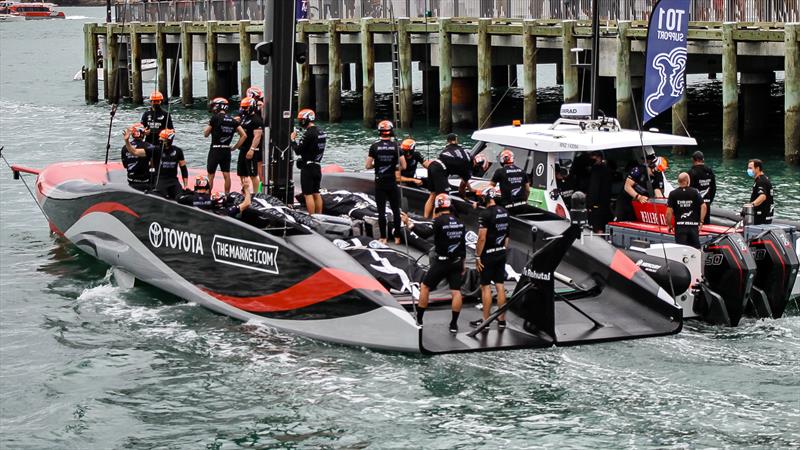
[701,10]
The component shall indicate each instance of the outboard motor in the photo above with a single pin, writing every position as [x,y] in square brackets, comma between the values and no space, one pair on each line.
[672,276]
[777,270]
[728,271]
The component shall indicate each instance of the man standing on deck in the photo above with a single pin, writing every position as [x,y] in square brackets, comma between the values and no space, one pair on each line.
[448,261]
[138,167]
[412,158]
[702,178]
[761,196]
[384,157]
[514,185]
[643,181]
[167,159]
[453,160]
[490,261]
[252,124]
[221,127]
[256,93]
[156,119]
[310,147]
[685,205]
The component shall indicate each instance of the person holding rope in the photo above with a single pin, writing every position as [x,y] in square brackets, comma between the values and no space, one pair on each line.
[514,185]
[490,261]
[167,159]
[156,119]
[221,127]
[136,156]
[413,158]
[384,157]
[253,126]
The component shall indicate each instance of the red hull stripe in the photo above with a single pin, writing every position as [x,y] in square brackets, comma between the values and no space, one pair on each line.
[323,285]
[109,207]
[623,265]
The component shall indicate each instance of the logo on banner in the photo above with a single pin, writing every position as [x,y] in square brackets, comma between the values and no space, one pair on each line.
[671,67]
[245,254]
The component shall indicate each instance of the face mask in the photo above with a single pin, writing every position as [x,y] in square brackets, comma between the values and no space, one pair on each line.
[750,173]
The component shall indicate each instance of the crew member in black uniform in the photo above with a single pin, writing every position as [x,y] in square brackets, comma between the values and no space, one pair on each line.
[490,261]
[685,205]
[514,185]
[384,157]
[253,126]
[167,159]
[643,182]
[702,178]
[761,196]
[221,127]
[453,160]
[448,262]
[200,197]
[256,93]
[565,184]
[156,119]
[413,158]
[310,147]
[599,195]
[138,167]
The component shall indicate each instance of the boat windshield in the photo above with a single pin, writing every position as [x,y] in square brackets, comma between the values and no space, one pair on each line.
[490,151]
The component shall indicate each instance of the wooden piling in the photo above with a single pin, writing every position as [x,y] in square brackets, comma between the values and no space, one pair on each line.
[304,89]
[445,78]
[174,71]
[211,60]
[625,112]
[406,112]
[730,93]
[161,59]
[529,72]
[792,94]
[484,73]
[570,41]
[136,63]
[368,70]
[334,72]
[112,66]
[90,62]
[186,65]
[680,121]
[245,57]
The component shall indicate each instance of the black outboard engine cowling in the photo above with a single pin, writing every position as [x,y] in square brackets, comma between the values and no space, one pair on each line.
[669,275]
[728,270]
[777,270]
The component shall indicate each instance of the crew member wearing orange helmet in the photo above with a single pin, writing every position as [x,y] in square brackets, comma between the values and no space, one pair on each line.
[221,127]
[448,263]
[384,157]
[137,161]
[167,160]
[250,120]
[256,93]
[156,119]
[514,185]
[310,147]
[453,160]
[408,176]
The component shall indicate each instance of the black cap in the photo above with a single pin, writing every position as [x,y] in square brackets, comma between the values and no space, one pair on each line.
[650,157]
[698,156]
[452,137]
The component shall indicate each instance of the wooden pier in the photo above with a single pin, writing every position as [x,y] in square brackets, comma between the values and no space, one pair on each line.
[468,57]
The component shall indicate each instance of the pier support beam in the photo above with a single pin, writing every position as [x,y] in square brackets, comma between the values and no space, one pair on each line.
[90,61]
[755,101]
[791,149]
[174,76]
[528,72]
[304,89]
[625,112]
[464,89]
[186,65]
[359,72]
[445,78]
[368,74]
[112,67]
[321,85]
[212,84]
[484,73]
[334,72]
[570,41]
[136,63]
[161,59]
[680,121]
[730,93]
[245,57]
[347,79]
[406,90]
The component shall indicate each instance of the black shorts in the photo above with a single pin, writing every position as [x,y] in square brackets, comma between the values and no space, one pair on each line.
[437,179]
[169,188]
[310,178]
[687,235]
[448,269]
[139,185]
[259,156]
[219,157]
[494,268]
[246,167]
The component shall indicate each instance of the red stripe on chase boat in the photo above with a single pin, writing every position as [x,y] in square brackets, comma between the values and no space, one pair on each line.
[109,207]
[623,265]
[323,285]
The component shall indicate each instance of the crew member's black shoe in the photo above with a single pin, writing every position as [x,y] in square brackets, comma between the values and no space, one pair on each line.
[475,323]
[501,324]
[453,327]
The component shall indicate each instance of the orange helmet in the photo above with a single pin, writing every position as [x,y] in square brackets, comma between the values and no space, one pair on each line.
[201,182]
[507,157]
[255,92]
[442,201]
[137,130]
[248,105]
[386,128]
[306,116]
[661,164]
[167,135]
[218,104]
[156,97]
[408,145]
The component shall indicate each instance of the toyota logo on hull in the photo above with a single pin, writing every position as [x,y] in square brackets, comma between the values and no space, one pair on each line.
[175,239]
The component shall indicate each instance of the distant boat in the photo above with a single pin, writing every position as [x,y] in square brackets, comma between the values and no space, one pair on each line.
[31,11]
[11,18]
[148,71]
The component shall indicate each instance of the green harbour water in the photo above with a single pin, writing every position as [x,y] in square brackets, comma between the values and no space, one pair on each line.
[87,364]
